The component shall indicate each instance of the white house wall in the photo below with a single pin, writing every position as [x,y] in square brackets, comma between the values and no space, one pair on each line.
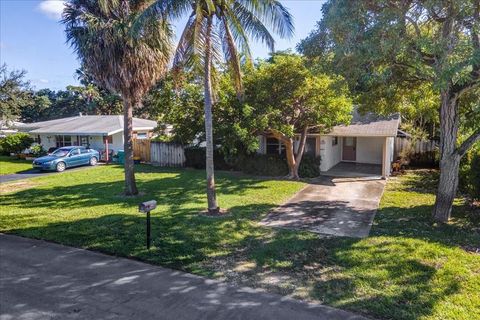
[329,155]
[370,149]
[47,141]
[96,142]
[390,145]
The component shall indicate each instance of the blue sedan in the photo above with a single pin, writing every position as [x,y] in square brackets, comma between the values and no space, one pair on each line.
[67,157]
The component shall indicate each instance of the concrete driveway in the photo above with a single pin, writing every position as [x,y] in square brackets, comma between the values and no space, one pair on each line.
[331,206]
[32,173]
[41,280]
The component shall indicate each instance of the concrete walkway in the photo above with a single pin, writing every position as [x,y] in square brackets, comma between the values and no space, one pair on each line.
[41,280]
[331,206]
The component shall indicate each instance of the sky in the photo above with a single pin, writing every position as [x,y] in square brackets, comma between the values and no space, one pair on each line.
[33,39]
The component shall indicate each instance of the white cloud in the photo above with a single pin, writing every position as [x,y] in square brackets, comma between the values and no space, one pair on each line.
[52,8]
[43,80]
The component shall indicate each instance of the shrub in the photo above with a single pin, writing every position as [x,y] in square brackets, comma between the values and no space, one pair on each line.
[470,173]
[255,164]
[16,143]
[309,167]
[195,158]
[263,164]
[37,150]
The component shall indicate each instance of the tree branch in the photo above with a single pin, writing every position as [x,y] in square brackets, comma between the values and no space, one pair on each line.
[467,144]
[475,73]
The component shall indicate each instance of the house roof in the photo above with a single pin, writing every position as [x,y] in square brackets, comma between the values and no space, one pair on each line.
[9,124]
[86,125]
[368,125]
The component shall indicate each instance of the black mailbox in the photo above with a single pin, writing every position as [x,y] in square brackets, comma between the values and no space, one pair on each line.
[147,206]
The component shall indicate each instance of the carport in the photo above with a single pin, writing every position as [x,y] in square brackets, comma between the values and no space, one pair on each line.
[363,148]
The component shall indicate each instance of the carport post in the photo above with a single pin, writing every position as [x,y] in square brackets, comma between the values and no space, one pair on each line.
[384,159]
[106,149]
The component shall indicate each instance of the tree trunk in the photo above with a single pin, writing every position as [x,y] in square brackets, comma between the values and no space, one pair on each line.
[293,160]
[211,195]
[449,158]
[300,151]
[289,151]
[130,184]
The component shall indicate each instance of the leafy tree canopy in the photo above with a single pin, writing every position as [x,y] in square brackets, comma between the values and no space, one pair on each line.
[15,93]
[288,98]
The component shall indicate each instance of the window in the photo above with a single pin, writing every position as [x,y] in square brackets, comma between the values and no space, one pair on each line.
[63,141]
[84,150]
[75,152]
[108,138]
[142,135]
[83,141]
[60,152]
[349,141]
[275,146]
[310,146]
[334,141]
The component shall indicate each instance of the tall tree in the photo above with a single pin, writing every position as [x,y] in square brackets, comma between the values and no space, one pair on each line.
[15,93]
[117,59]
[213,27]
[408,44]
[292,100]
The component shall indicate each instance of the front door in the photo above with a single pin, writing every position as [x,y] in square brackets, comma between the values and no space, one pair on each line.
[349,148]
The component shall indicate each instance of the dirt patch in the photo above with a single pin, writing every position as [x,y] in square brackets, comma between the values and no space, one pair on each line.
[16,186]
[220,213]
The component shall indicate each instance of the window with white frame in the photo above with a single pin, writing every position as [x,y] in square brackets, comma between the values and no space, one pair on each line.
[63,141]
[275,146]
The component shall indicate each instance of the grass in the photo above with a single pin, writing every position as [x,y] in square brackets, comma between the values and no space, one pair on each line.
[409,268]
[9,165]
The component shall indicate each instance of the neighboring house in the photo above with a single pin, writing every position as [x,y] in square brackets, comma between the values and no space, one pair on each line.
[97,132]
[369,139]
[8,127]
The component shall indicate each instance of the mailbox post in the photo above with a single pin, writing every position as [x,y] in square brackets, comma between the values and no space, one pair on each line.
[146,207]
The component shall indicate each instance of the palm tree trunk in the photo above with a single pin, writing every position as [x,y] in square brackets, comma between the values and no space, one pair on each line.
[211,195]
[449,159]
[130,184]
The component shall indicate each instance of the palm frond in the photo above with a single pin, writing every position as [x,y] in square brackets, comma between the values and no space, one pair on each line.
[231,55]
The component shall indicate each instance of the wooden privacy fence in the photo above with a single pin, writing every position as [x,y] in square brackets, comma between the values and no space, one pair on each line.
[159,153]
[141,149]
[422,146]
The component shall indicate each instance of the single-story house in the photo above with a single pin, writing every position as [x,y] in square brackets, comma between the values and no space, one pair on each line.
[8,127]
[99,132]
[368,139]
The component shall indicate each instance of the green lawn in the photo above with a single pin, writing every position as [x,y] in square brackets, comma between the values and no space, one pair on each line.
[409,268]
[9,165]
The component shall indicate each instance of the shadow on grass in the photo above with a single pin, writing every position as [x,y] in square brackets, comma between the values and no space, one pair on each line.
[335,271]
[389,275]
[183,186]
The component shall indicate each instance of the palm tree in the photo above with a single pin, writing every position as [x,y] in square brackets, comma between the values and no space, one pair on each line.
[215,27]
[117,59]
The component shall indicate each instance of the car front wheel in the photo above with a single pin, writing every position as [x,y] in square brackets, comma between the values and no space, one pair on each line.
[93,161]
[61,166]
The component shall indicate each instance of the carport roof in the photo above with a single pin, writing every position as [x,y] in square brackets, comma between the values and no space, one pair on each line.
[368,125]
[86,125]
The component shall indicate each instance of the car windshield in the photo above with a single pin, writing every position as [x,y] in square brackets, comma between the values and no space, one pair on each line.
[60,152]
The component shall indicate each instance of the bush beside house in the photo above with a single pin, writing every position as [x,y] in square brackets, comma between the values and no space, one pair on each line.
[255,164]
[15,143]
[470,174]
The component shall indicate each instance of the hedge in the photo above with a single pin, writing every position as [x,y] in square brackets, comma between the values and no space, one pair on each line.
[255,164]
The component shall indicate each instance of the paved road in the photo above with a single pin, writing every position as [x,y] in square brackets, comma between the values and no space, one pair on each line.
[41,280]
[331,206]
[32,173]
